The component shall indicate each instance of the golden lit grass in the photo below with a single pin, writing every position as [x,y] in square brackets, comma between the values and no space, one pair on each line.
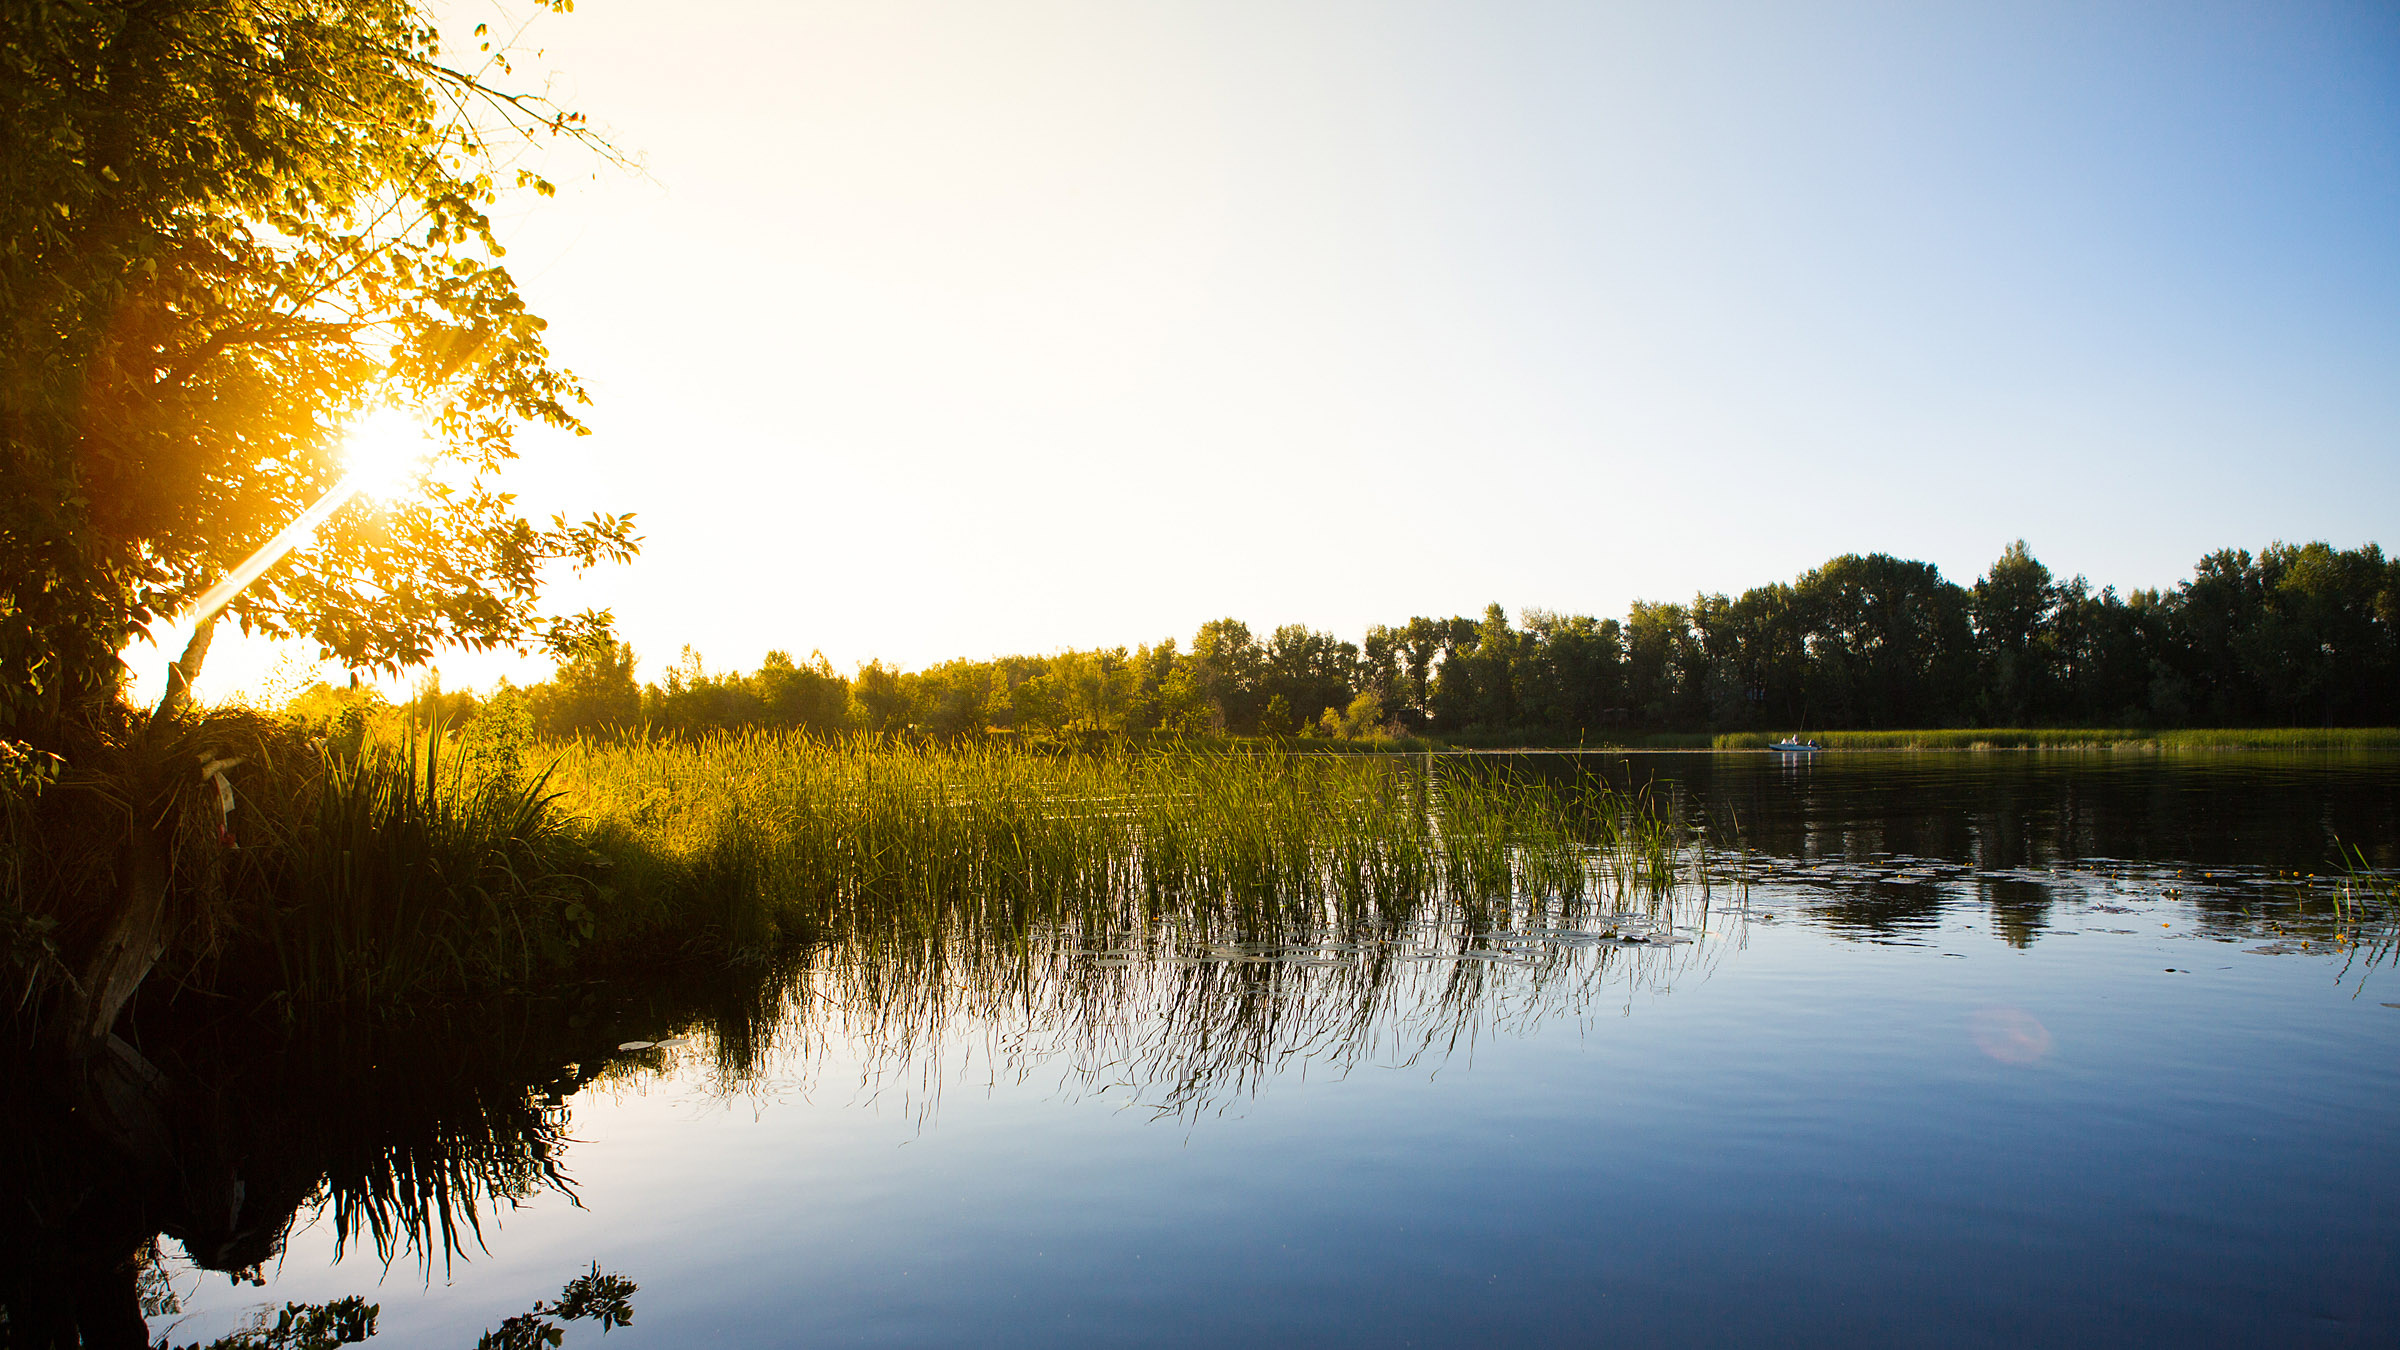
[771,836]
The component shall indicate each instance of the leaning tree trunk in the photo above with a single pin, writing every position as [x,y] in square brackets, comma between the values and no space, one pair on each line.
[138,928]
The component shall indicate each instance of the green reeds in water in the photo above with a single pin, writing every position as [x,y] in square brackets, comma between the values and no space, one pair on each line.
[413,870]
[2366,912]
[767,837]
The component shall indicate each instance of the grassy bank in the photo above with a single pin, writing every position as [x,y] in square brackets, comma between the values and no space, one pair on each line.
[2024,738]
[407,869]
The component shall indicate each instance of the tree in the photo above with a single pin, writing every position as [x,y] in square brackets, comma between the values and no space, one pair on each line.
[2321,647]
[881,699]
[2105,649]
[2209,616]
[811,698]
[1416,647]
[1227,668]
[1757,650]
[1662,660]
[1308,670]
[232,229]
[2015,607]
[1574,671]
[1889,641]
[592,691]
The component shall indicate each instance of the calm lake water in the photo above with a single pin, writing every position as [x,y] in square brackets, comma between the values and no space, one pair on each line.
[1951,1049]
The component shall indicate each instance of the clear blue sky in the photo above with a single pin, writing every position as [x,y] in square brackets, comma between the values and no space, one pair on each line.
[955,329]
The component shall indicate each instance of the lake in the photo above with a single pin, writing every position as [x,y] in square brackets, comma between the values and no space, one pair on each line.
[1937,1048]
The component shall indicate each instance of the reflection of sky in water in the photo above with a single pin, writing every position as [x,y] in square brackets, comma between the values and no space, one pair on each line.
[2137,1128]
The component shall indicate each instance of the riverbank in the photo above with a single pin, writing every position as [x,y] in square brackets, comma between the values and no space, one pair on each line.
[407,870]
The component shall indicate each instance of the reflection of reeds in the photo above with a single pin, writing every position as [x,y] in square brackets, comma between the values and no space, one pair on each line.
[1187,1026]
[422,1187]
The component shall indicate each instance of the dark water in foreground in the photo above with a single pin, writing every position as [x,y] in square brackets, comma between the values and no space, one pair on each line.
[1982,1053]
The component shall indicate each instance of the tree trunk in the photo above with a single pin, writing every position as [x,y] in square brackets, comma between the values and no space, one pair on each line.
[138,929]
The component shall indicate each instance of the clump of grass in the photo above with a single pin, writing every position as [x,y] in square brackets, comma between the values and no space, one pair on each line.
[414,870]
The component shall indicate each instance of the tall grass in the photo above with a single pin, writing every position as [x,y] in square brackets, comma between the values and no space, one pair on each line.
[417,869]
[411,869]
[771,836]
[2018,738]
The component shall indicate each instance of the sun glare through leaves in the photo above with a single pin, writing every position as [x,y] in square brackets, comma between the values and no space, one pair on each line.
[385,454]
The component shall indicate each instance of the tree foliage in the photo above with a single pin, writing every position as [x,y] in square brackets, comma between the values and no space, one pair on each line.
[2297,635]
[227,229]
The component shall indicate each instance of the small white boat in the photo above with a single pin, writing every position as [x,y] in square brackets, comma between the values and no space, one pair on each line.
[1795,747]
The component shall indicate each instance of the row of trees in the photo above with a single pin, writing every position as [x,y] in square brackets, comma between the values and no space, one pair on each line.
[2295,635]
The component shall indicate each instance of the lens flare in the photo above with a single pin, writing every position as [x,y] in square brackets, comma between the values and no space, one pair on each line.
[2010,1035]
[385,452]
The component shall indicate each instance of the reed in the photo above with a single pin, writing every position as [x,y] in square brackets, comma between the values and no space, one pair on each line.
[2366,911]
[419,869]
[767,837]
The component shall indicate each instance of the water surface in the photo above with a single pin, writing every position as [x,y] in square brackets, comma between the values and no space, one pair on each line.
[1949,1049]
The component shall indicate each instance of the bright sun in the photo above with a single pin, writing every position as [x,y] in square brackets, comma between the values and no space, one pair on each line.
[386,451]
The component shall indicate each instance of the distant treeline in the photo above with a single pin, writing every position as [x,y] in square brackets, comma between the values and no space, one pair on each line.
[2298,635]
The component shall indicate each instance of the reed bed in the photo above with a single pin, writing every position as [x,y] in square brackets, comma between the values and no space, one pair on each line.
[411,871]
[771,836]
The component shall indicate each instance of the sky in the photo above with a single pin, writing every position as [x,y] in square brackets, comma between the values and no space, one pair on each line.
[958,329]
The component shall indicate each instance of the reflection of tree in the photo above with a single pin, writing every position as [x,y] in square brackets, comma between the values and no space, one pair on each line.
[2019,909]
[2014,811]
[593,1296]
[405,1135]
